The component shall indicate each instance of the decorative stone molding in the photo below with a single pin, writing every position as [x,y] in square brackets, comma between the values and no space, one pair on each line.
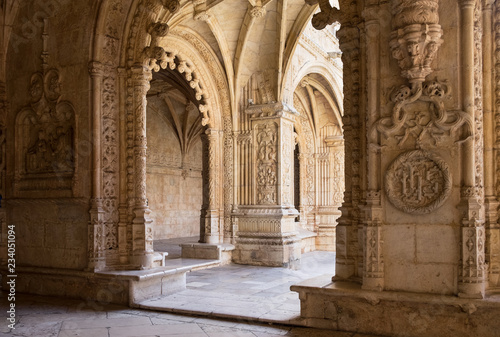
[271,110]
[156,57]
[418,182]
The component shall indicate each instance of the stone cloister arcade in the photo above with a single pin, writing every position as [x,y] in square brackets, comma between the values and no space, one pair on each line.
[272,127]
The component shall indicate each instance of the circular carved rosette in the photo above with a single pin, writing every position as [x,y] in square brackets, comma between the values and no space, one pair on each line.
[418,182]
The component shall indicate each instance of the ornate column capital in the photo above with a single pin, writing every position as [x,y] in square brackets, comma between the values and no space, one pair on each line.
[141,73]
[488,5]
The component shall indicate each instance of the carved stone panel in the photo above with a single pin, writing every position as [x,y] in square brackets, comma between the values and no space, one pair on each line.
[418,182]
[267,164]
[45,137]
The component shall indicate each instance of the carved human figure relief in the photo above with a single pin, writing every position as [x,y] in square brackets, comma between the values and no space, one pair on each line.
[418,182]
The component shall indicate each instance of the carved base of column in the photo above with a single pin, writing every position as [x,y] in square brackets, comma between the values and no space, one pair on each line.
[97,259]
[210,227]
[326,230]
[493,257]
[267,237]
[142,245]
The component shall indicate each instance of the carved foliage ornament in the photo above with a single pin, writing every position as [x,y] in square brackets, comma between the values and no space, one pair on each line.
[418,182]
[419,114]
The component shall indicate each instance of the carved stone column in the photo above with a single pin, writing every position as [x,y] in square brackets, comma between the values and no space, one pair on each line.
[472,269]
[210,213]
[96,225]
[123,244]
[266,228]
[493,230]
[328,211]
[347,228]
[373,264]
[491,202]
[142,231]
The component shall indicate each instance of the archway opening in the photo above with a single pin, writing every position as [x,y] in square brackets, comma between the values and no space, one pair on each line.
[321,160]
[175,162]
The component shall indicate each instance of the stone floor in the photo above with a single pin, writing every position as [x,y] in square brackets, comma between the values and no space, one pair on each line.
[231,300]
[40,316]
[259,294]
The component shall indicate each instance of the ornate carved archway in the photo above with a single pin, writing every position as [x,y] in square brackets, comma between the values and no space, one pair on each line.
[148,45]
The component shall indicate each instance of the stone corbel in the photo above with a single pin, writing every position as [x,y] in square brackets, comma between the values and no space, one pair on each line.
[258,8]
[155,56]
[326,16]
[172,6]
[416,37]
[200,10]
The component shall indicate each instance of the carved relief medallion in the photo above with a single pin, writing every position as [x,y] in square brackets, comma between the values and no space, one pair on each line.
[418,182]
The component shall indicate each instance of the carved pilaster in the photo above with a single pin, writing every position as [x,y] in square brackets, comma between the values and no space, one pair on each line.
[266,233]
[472,269]
[492,85]
[123,212]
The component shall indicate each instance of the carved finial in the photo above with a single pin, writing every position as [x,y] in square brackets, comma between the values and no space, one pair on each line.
[200,10]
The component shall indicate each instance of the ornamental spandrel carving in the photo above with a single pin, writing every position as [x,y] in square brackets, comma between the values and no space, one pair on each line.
[267,163]
[418,182]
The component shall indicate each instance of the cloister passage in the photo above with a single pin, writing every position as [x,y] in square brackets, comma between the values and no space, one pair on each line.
[175,158]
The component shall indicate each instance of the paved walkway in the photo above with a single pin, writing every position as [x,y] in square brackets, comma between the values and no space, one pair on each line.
[227,301]
[40,316]
[259,294]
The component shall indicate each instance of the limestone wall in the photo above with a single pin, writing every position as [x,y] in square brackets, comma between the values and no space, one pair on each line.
[174,190]
[47,133]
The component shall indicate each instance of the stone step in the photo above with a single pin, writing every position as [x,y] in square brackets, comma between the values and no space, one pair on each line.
[195,250]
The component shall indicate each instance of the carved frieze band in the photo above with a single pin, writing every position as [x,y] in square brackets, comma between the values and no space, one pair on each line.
[418,182]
